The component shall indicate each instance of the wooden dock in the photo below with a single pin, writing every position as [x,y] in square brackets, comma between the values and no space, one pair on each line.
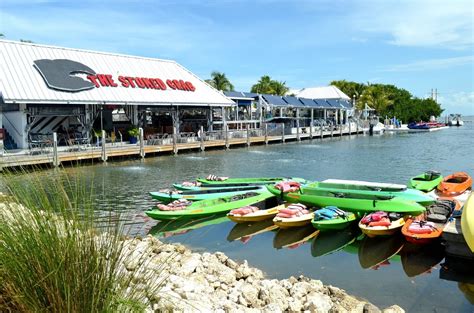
[65,155]
[456,246]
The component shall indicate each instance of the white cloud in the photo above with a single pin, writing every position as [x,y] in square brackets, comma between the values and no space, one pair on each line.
[457,102]
[423,23]
[431,64]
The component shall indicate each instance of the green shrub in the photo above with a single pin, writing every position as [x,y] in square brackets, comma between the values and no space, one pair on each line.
[53,256]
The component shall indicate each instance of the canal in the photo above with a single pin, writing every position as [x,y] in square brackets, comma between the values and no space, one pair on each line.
[412,278]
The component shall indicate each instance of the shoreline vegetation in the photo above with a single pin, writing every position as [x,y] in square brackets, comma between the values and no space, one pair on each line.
[57,254]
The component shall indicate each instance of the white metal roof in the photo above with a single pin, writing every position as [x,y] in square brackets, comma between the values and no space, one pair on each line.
[326,92]
[21,82]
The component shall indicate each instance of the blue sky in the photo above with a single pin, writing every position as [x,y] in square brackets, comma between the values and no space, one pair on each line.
[416,45]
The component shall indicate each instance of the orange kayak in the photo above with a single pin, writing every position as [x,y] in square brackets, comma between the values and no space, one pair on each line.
[455,184]
[429,226]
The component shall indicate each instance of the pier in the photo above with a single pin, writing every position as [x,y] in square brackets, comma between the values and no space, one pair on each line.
[54,156]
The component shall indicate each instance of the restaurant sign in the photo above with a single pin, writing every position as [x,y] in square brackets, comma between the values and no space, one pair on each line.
[62,74]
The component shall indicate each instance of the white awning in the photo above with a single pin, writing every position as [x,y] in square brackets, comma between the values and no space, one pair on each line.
[325,92]
[32,73]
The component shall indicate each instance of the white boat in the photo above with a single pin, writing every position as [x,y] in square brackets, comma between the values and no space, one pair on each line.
[377,129]
[455,120]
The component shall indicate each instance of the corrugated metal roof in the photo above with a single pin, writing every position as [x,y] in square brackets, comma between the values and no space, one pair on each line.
[20,81]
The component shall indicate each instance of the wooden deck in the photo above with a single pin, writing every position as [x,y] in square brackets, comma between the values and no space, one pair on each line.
[111,151]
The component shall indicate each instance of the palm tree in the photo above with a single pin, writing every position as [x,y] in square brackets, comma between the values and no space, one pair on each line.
[264,85]
[279,88]
[220,81]
[376,97]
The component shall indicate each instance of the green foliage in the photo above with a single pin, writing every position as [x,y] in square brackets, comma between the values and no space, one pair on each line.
[352,89]
[220,81]
[390,101]
[133,132]
[270,86]
[53,257]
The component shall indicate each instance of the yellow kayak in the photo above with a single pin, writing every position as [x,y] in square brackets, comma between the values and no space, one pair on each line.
[256,216]
[467,222]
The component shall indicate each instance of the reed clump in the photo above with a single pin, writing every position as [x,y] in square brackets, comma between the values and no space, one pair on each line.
[54,255]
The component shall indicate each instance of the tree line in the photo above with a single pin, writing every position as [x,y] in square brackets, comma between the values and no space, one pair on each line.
[390,101]
[387,100]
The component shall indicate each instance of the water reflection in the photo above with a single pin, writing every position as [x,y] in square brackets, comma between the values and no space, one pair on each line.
[329,242]
[293,238]
[419,259]
[245,231]
[181,226]
[376,252]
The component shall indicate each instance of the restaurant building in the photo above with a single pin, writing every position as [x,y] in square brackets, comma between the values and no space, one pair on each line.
[46,89]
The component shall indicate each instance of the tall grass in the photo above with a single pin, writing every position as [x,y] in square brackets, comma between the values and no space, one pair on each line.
[52,256]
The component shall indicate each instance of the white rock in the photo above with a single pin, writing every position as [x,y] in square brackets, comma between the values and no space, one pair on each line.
[318,302]
[189,264]
[295,306]
[232,264]
[300,289]
[285,283]
[393,309]
[221,257]
[250,294]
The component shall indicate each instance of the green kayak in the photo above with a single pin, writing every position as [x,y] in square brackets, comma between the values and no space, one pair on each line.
[426,181]
[198,195]
[210,187]
[369,188]
[358,203]
[246,181]
[326,219]
[214,206]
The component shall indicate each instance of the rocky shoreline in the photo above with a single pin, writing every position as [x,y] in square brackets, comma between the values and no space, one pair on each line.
[206,282]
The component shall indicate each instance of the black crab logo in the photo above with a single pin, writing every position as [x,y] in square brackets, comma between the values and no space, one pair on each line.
[60,74]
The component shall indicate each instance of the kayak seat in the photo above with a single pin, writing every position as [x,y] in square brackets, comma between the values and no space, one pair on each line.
[394,216]
[436,218]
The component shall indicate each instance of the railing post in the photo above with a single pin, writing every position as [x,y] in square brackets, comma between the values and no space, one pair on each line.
[104,152]
[227,136]
[175,139]
[55,150]
[248,135]
[283,132]
[142,143]
[201,138]
[266,133]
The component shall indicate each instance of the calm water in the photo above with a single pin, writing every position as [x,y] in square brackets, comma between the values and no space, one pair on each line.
[388,158]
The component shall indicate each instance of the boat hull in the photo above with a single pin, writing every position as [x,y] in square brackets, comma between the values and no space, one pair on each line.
[258,216]
[290,222]
[467,222]
[203,194]
[455,184]
[425,182]
[353,189]
[246,181]
[335,223]
[374,231]
[213,206]
[350,202]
